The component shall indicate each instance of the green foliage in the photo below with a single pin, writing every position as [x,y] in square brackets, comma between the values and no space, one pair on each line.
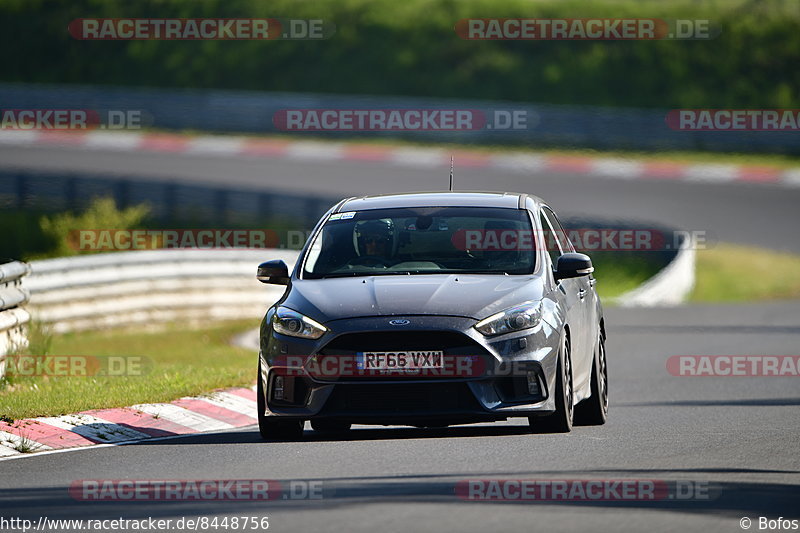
[31,235]
[39,342]
[410,48]
[40,339]
[22,235]
[620,272]
[62,228]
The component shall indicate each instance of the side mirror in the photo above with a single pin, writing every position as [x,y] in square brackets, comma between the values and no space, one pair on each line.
[573,265]
[275,272]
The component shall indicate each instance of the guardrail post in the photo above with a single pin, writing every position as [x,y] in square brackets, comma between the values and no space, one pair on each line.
[13,316]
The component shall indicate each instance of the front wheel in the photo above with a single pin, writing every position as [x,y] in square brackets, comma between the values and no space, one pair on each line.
[274,428]
[561,420]
[593,411]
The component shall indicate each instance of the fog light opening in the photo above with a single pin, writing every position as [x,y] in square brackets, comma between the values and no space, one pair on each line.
[533,383]
[278,388]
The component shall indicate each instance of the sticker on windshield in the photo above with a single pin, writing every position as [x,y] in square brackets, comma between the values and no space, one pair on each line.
[342,216]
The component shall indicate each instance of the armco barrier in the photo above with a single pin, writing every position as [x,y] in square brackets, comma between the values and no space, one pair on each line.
[675,279]
[150,287]
[670,286]
[13,316]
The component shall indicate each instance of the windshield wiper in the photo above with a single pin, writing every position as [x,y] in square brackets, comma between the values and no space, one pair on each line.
[499,272]
[378,273]
[341,275]
[411,273]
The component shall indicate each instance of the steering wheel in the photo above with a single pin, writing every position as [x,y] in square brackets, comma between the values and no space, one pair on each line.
[369,260]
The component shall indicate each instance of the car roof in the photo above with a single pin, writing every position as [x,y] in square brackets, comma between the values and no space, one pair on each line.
[510,200]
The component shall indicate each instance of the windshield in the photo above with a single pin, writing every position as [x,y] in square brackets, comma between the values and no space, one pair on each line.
[430,240]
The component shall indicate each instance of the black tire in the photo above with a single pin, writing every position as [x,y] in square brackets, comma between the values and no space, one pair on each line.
[273,428]
[561,420]
[329,426]
[593,411]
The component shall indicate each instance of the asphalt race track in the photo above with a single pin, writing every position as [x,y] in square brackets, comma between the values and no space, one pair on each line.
[732,440]
[749,213]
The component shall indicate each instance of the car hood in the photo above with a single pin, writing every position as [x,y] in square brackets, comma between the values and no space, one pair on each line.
[473,296]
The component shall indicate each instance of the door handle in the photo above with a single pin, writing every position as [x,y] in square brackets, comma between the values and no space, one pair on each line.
[582,294]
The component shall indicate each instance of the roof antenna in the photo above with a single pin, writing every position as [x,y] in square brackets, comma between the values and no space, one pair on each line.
[451,173]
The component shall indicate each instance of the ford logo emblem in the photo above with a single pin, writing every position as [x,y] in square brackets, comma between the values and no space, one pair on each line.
[399,322]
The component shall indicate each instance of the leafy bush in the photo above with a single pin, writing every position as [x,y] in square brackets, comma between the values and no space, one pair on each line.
[410,48]
[61,228]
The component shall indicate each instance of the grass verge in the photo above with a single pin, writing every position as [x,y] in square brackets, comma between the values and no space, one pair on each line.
[734,273]
[177,362]
[618,273]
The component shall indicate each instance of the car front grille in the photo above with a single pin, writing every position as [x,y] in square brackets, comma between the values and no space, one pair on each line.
[401,398]
[381,341]
[452,344]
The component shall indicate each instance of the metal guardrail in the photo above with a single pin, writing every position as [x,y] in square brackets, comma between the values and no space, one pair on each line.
[148,287]
[13,317]
[252,112]
[670,286]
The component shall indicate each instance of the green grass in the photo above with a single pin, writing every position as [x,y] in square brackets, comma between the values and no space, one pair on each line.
[181,362]
[617,273]
[733,273]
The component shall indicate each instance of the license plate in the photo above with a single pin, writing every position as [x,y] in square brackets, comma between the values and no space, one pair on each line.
[400,360]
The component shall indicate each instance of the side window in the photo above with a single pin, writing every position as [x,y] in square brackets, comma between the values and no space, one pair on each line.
[561,235]
[549,240]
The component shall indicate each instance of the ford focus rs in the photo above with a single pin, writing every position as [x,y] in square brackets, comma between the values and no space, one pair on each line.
[432,309]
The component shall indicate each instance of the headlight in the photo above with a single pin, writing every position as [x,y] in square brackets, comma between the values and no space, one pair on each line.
[523,316]
[291,323]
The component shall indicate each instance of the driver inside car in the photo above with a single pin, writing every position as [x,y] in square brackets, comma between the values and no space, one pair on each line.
[375,238]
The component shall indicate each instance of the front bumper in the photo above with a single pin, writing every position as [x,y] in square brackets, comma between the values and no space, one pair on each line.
[491,385]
